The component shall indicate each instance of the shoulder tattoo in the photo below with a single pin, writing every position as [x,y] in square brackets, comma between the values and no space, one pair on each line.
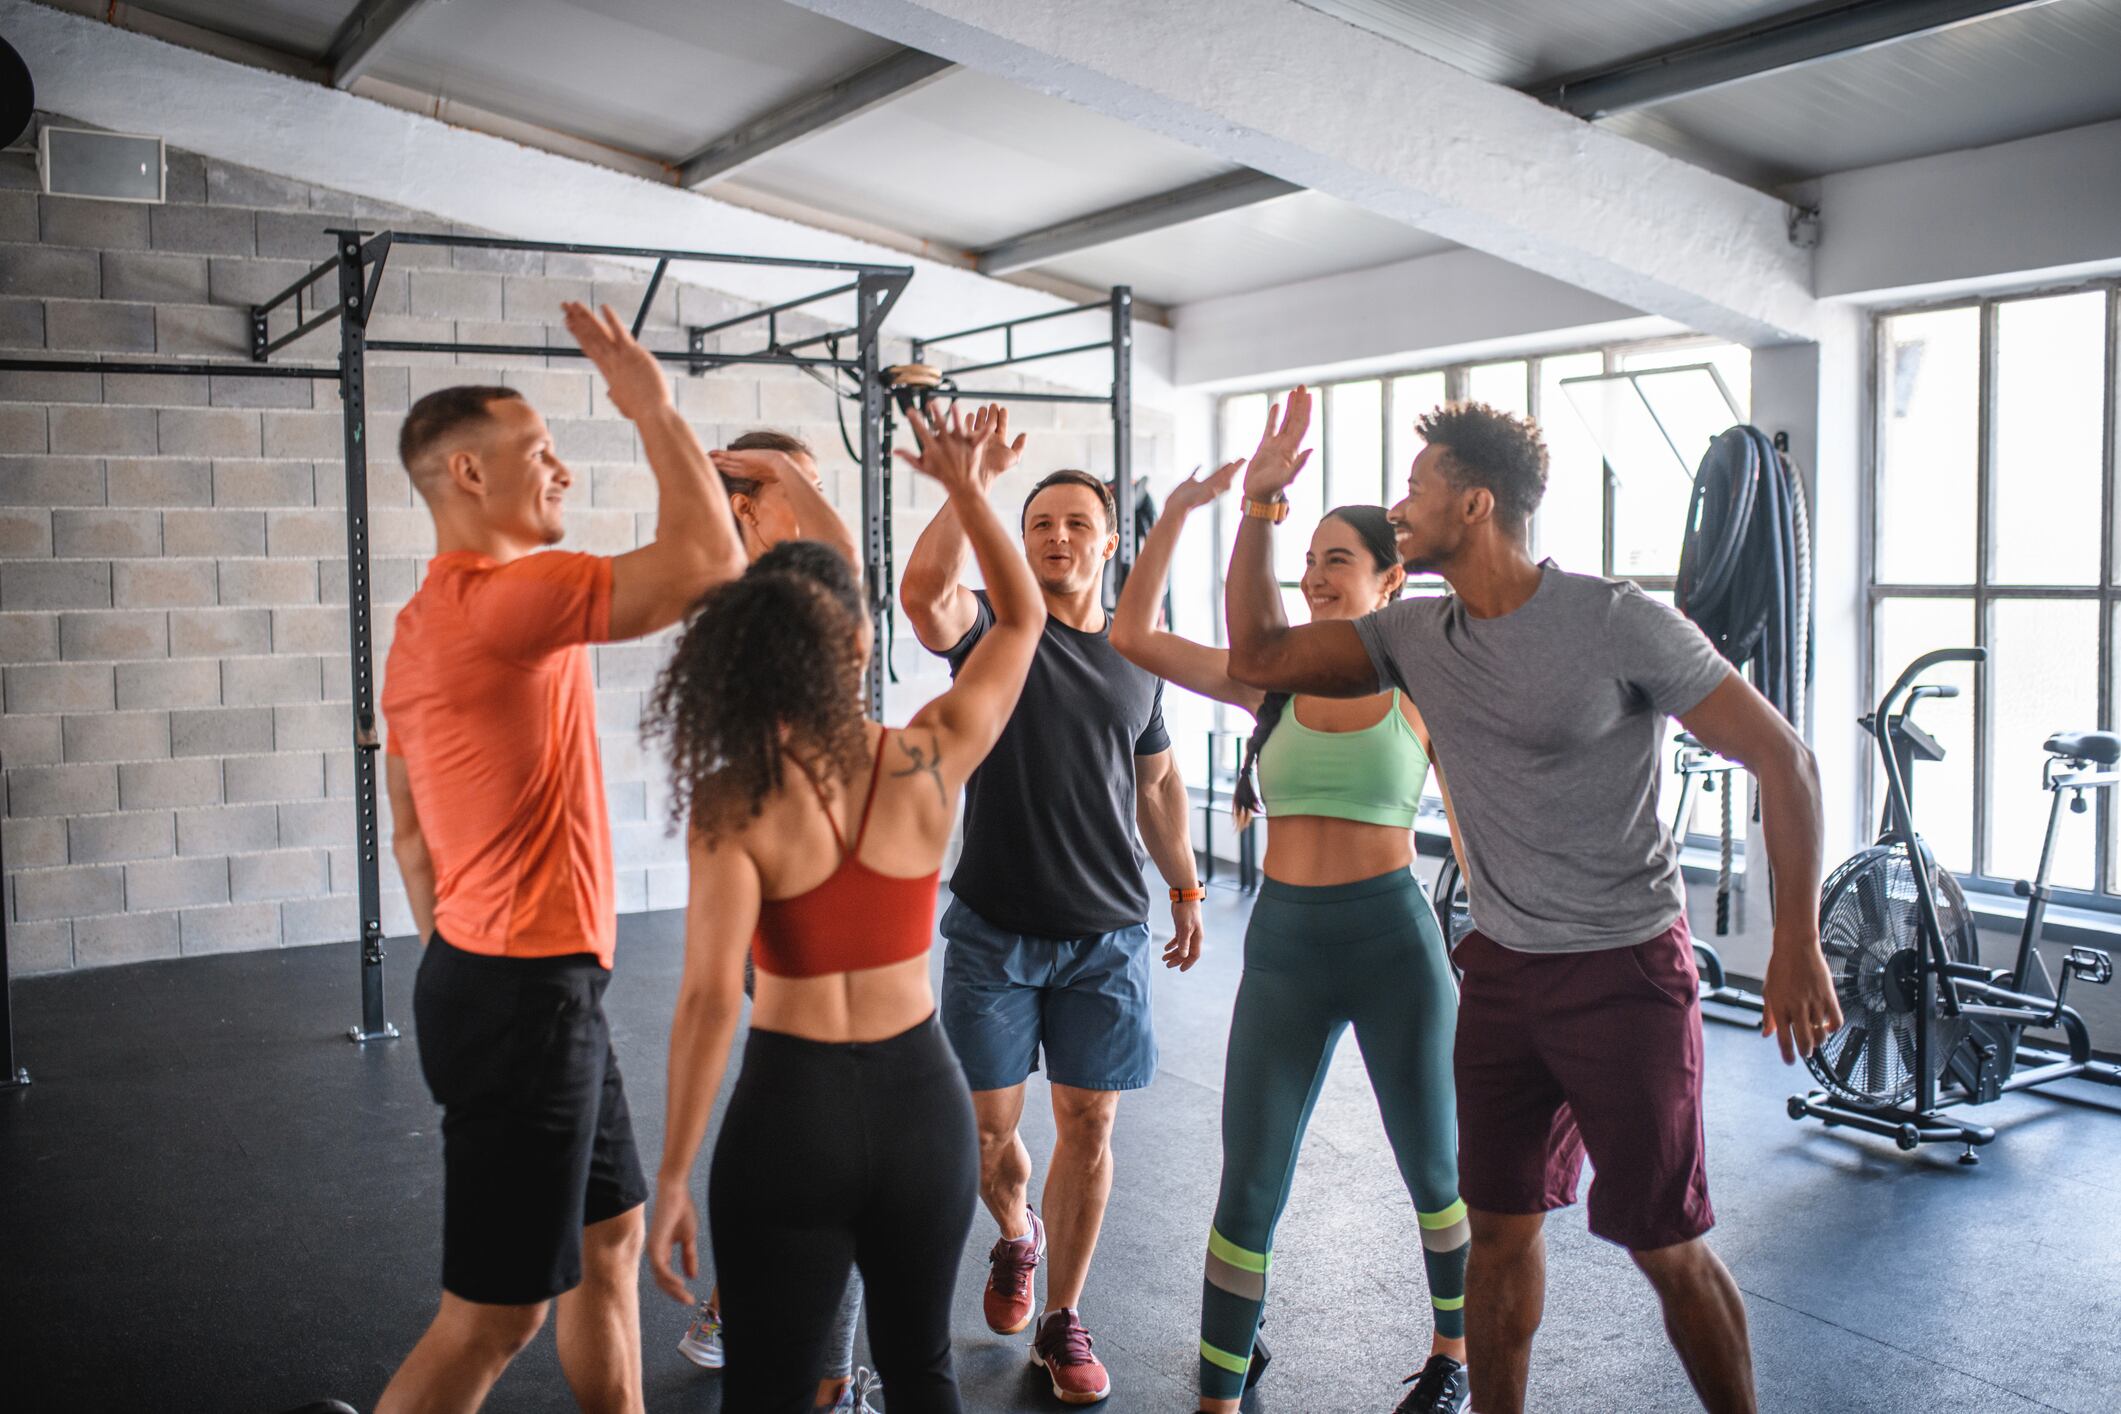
[918,760]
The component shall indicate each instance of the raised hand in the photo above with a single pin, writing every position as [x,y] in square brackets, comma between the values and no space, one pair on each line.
[1281,451]
[1001,453]
[638,386]
[951,453]
[1197,491]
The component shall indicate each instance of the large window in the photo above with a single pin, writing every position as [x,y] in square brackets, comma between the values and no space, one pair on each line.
[1590,521]
[1992,514]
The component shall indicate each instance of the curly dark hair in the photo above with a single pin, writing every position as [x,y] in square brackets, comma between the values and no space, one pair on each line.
[1492,449]
[769,667]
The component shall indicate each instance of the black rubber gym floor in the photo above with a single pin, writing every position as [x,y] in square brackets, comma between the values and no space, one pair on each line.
[210,1201]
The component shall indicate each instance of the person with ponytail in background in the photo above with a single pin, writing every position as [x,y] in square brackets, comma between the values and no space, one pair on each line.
[1341,935]
[815,839]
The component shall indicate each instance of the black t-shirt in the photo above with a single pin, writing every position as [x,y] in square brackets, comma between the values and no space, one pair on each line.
[1051,847]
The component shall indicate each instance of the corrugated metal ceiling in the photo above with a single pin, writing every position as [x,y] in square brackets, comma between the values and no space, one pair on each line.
[969,160]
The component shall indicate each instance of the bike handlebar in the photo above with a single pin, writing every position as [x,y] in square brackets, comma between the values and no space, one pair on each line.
[1920,666]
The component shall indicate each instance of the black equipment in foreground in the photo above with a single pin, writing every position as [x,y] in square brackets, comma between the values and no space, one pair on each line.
[1925,1025]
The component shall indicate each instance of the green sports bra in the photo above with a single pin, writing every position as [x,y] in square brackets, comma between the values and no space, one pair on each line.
[1373,776]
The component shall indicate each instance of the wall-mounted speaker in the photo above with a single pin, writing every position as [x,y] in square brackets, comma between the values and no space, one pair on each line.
[110,166]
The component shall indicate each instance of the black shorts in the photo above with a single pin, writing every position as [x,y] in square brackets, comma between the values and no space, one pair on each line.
[537,1142]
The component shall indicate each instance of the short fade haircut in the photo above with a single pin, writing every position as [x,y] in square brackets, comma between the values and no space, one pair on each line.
[1071,477]
[441,413]
[765,439]
[1499,452]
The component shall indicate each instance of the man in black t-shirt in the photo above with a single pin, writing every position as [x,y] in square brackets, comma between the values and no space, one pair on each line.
[1048,937]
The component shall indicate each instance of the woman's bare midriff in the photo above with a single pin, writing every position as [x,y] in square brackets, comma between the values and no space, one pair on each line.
[1313,851]
[874,1004]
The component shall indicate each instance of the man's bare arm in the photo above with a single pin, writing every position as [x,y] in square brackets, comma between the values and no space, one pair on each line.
[931,587]
[696,544]
[1736,721]
[1325,659]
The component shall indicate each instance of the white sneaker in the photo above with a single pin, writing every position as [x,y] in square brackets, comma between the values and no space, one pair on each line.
[855,1398]
[702,1343]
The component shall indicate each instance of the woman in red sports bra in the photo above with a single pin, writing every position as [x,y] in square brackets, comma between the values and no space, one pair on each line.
[816,839]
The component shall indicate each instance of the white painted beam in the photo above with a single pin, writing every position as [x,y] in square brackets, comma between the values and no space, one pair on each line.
[1431,310]
[2036,211]
[892,76]
[98,73]
[1280,87]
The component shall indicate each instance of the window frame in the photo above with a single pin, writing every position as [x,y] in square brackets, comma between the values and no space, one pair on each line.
[1984,595]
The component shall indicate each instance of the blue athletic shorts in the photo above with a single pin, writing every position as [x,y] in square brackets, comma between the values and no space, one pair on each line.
[1084,1001]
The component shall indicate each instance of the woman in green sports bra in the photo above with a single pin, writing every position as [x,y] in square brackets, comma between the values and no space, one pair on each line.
[1341,935]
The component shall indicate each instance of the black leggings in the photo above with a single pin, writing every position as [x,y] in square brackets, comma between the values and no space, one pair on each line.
[833,1157]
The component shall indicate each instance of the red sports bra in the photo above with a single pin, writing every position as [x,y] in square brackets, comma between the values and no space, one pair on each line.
[857,918]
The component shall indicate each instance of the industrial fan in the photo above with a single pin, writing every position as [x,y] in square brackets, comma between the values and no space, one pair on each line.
[1871,931]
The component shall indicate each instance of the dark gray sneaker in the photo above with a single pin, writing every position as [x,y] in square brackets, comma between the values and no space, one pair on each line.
[1441,1387]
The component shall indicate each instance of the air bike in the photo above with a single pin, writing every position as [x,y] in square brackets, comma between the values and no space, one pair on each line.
[1926,1025]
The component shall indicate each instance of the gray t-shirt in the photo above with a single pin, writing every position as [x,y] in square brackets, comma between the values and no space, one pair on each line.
[1547,722]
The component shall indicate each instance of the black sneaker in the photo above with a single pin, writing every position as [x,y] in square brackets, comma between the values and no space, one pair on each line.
[1442,1387]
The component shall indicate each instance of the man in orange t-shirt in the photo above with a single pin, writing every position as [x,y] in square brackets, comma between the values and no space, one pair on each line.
[497,798]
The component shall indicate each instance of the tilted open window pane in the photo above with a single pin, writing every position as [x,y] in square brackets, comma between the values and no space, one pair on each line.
[1943,790]
[2049,428]
[1929,395]
[2043,671]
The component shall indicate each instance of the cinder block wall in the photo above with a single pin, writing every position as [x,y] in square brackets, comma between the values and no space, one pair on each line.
[173,639]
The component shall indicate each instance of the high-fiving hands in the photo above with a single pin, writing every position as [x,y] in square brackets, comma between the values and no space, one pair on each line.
[1281,451]
[952,453]
[1001,453]
[1197,490]
[636,381]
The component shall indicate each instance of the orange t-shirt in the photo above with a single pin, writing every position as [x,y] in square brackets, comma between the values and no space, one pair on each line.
[488,697]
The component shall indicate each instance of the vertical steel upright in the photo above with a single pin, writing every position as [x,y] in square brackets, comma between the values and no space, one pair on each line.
[354,293]
[872,296]
[12,1076]
[1123,422]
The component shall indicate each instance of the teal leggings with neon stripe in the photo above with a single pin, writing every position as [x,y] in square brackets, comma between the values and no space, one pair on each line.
[1318,960]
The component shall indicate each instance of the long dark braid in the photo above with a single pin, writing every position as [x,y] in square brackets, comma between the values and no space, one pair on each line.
[1375,528]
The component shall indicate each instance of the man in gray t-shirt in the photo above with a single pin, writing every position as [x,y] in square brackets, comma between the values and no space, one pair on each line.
[1547,694]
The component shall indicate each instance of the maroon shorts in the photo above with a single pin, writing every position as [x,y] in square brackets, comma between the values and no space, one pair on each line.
[1563,1054]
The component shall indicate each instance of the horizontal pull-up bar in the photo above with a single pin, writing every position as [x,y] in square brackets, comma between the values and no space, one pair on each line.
[556,351]
[1101,346]
[980,395]
[645,253]
[1104,306]
[233,370]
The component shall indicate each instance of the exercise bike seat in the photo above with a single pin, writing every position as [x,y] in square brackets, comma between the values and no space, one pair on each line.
[2099,748]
